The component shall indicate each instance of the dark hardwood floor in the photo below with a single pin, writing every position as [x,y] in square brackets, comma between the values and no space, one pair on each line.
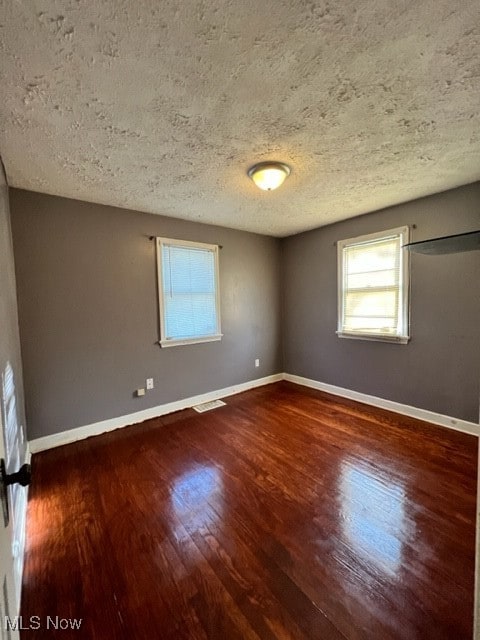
[288,513]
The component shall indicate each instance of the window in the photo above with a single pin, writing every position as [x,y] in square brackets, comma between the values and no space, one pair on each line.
[373,287]
[188,292]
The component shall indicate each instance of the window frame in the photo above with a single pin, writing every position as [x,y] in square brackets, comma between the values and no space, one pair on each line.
[404,337]
[173,342]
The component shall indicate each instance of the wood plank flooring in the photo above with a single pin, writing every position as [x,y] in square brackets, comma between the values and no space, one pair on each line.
[288,513]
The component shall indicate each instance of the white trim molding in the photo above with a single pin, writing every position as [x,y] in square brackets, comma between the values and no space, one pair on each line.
[405,409]
[80,433]
[97,428]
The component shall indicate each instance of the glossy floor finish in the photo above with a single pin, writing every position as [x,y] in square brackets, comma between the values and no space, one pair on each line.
[287,513]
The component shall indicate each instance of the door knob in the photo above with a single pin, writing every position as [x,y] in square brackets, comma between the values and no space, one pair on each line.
[23,476]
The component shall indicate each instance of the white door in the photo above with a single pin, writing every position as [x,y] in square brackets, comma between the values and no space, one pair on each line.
[8,601]
[12,510]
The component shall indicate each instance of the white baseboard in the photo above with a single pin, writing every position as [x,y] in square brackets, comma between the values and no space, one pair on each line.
[80,433]
[390,405]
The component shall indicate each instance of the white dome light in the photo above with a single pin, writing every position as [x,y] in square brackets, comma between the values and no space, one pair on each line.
[269,175]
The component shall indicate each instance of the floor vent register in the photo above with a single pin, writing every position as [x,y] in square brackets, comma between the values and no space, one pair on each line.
[208,406]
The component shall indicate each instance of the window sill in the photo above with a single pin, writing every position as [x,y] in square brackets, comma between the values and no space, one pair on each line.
[373,337]
[176,343]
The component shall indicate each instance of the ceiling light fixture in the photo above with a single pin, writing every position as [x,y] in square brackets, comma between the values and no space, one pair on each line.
[269,175]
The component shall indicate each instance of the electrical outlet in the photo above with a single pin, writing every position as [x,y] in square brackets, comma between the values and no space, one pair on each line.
[257,362]
[149,383]
[140,392]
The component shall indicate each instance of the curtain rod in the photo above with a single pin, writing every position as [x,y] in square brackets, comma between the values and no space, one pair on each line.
[412,226]
[220,246]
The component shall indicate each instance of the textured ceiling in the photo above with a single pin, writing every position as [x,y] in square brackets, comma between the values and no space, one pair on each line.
[163,106]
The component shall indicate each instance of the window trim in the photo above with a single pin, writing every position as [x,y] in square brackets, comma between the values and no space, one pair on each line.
[404,233]
[214,337]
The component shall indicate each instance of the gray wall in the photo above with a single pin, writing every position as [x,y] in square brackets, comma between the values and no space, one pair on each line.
[88,310]
[439,369]
[89,321]
[10,360]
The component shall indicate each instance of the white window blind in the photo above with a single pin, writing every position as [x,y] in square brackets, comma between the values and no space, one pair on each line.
[373,286]
[188,292]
